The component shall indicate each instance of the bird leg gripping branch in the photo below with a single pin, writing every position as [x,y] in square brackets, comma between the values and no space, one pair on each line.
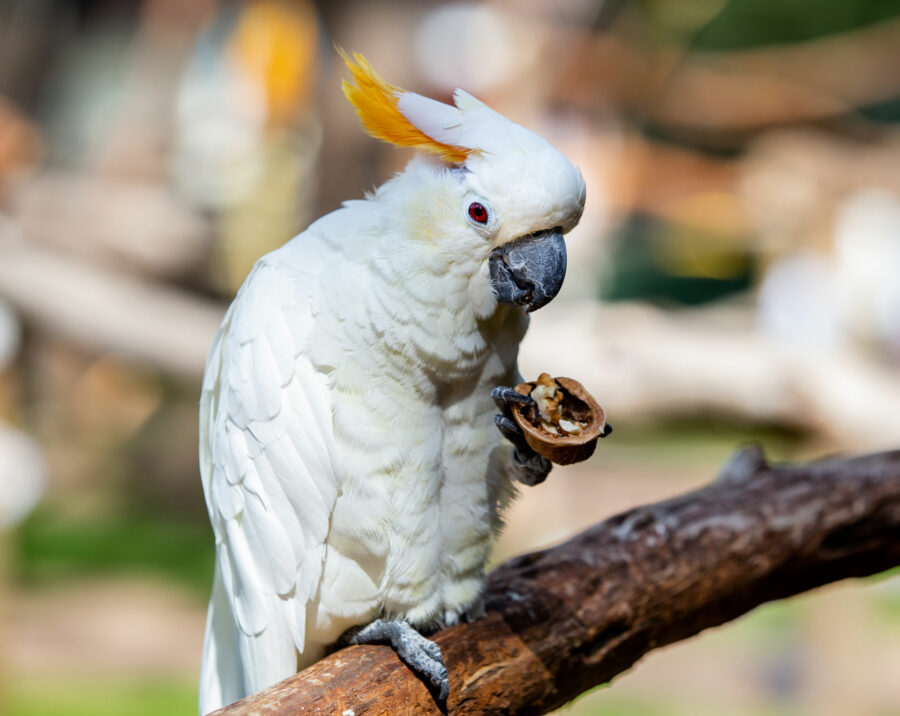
[416,651]
[563,620]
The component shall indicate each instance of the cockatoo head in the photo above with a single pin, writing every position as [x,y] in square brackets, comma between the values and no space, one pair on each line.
[503,194]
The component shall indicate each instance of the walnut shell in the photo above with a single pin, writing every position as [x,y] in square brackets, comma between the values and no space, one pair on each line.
[568,449]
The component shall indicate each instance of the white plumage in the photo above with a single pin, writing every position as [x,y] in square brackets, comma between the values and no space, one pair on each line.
[349,458]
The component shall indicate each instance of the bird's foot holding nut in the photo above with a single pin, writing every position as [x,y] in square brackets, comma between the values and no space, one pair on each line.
[530,468]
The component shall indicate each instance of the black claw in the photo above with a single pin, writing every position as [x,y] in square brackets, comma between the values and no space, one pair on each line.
[508,427]
[443,691]
[513,433]
[505,397]
[607,430]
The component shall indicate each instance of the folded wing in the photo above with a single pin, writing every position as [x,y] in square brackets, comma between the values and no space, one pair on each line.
[268,469]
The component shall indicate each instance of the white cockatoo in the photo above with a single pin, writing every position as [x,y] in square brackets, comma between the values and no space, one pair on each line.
[349,449]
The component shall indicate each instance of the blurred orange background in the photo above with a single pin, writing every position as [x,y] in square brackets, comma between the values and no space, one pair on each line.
[734,278]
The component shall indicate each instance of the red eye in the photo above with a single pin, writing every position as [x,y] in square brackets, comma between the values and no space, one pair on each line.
[478,213]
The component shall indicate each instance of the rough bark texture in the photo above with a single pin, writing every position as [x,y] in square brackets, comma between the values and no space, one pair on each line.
[563,620]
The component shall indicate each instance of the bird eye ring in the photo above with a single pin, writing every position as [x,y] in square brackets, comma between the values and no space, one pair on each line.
[478,213]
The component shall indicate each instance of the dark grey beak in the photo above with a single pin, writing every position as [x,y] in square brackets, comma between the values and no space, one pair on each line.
[530,270]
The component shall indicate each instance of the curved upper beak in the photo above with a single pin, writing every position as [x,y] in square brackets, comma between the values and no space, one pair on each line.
[530,270]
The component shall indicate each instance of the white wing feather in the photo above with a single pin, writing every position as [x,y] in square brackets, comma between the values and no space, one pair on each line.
[267,463]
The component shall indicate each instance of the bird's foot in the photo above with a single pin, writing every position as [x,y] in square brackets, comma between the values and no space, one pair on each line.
[531,468]
[421,655]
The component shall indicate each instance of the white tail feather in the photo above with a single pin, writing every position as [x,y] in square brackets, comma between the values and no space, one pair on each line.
[220,672]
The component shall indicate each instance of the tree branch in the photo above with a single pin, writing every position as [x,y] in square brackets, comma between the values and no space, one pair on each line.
[563,620]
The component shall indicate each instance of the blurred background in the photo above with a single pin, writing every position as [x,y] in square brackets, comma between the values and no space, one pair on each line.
[735,278]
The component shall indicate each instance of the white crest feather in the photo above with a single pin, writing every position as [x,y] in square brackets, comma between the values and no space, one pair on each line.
[440,121]
[466,102]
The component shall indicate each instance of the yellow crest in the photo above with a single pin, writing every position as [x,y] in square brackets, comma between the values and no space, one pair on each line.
[376,104]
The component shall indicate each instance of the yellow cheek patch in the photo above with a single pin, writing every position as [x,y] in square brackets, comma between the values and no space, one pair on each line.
[435,216]
[376,104]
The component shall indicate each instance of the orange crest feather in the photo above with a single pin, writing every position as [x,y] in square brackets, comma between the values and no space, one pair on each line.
[376,104]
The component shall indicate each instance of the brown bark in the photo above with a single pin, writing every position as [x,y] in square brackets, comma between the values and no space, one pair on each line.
[563,620]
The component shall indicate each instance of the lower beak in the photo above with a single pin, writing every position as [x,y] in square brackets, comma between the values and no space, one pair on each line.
[530,270]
